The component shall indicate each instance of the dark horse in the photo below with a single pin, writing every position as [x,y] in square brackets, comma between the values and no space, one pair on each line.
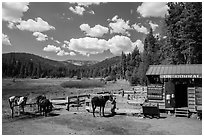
[45,106]
[39,99]
[100,101]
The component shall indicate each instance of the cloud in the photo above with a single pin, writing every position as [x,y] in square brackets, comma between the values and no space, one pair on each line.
[66,42]
[140,29]
[62,53]
[5,40]
[65,45]
[11,25]
[40,36]
[118,25]
[96,31]
[87,4]
[153,26]
[88,45]
[58,50]
[139,45]
[153,9]
[77,10]
[13,11]
[57,41]
[72,53]
[117,44]
[91,12]
[38,25]
[52,48]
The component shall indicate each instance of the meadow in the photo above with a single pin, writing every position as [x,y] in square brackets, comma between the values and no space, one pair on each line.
[84,83]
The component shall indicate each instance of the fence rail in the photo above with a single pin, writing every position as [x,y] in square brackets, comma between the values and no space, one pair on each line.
[76,100]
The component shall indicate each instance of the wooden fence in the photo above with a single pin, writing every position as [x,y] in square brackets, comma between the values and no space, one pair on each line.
[76,100]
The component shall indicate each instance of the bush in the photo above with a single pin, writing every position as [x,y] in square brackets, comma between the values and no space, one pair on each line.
[82,84]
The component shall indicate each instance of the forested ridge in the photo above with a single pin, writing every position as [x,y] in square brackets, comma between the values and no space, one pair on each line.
[179,43]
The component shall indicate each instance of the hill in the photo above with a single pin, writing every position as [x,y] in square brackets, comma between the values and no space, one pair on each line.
[16,64]
[30,65]
[82,62]
[107,62]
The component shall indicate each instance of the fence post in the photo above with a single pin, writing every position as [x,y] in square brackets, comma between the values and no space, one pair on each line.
[68,100]
[78,102]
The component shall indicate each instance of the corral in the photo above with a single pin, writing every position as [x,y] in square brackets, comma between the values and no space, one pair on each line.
[78,121]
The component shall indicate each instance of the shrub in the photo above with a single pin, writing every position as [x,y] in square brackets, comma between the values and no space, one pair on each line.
[82,84]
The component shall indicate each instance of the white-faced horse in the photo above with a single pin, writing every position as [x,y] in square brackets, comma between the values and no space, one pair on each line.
[19,101]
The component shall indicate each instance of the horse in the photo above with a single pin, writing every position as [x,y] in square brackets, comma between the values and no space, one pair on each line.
[38,99]
[100,101]
[19,101]
[45,106]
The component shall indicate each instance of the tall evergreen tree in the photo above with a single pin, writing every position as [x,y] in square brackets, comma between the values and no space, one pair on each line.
[184,33]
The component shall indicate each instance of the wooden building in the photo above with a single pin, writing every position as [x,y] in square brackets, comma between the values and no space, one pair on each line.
[175,87]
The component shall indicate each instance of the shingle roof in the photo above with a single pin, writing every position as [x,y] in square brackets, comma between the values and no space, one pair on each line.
[190,69]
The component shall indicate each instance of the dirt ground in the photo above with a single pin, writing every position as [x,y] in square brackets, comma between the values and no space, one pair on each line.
[81,122]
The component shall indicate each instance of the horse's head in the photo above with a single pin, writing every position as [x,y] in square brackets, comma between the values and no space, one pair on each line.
[109,97]
[25,99]
[40,97]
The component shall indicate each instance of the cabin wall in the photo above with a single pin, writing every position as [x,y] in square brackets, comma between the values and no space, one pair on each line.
[168,93]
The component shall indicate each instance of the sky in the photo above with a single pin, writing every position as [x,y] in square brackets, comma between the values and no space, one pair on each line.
[79,30]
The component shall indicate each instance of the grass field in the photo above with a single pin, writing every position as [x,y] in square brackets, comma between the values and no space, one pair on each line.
[82,84]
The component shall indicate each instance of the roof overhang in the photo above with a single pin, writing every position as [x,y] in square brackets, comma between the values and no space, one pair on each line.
[176,71]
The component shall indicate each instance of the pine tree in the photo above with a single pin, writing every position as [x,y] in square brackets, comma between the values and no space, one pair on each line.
[123,64]
[184,33]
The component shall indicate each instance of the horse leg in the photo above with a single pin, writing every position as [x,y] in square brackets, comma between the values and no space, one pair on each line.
[100,111]
[12,112]
[38,108]
[23,109]
[103,110]
[19,110]
[93,107]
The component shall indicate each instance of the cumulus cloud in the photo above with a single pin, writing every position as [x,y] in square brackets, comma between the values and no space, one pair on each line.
[153,26]
[58,50]
[77,10]
[117,44]
[153,9]
[52,48]
[87,4]
[13,11]
[140,29]
[139,45]
[72,53]
[40,36]
[57,41]
[11,25]
[66,42]
[118,25]
[5,40]
[62,53]
[96,31]
[88,45]
[38,25]
[91,12]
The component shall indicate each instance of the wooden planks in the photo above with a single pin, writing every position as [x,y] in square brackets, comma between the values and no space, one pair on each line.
[191,99]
